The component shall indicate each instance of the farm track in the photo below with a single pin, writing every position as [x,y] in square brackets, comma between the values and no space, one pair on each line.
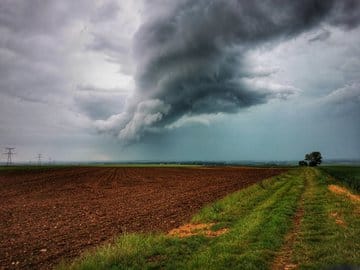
[50,215]
[284,260]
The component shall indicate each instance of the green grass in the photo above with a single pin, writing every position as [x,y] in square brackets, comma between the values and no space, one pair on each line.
[348,175]
[322,242]
[258,218]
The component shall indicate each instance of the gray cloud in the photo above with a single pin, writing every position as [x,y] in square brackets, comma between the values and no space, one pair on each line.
[99,103]
[323,35]
[43,57]
[345,99]
[106,12]
[46,46]
[191,57]
[114,24]
[34,47]
[41,17]
[136,122]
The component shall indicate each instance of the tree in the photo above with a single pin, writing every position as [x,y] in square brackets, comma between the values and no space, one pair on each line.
[302,163]
[314,158]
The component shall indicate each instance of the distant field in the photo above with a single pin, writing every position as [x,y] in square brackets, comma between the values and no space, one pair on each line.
[59,166]
[31,168]
[135,165]
[349,175]
[147,165]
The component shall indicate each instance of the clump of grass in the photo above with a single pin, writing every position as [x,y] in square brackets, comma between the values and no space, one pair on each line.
[137,251]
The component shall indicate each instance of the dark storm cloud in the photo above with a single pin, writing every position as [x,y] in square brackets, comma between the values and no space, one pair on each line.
[345,13]
[191,56]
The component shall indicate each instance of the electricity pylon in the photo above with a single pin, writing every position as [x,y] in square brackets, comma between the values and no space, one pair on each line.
[9,152]
[39,156]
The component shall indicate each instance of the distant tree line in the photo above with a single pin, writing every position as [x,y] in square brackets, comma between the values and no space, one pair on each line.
[313,159]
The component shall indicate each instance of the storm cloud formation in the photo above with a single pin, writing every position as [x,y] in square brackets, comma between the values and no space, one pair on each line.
[191,57]
[203,80]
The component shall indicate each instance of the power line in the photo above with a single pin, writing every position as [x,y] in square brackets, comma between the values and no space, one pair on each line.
[9,152]
[39,156]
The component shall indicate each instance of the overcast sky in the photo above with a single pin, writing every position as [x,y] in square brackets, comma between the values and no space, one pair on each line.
[179,80]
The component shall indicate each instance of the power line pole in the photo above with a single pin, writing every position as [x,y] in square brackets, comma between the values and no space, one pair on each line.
[39,156]
[9,152]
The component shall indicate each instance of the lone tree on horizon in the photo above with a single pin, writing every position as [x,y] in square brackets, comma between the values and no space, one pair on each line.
[302,163]
[314,158]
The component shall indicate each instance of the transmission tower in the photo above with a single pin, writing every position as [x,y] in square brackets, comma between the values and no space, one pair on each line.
[9,152]
[39,156]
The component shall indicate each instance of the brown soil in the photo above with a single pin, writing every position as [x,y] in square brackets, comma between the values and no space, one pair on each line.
[190,229]
[50,215]
[343,191]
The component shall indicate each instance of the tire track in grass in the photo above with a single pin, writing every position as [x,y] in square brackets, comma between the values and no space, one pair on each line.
[284,260]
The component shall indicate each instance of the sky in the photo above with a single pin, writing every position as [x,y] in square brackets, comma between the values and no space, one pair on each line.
[214,80]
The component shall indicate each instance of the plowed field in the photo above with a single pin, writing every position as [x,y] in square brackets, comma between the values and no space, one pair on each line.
[54,214]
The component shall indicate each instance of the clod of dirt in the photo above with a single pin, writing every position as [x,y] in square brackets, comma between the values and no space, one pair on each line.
[188,230]
[343,191]
[338,219]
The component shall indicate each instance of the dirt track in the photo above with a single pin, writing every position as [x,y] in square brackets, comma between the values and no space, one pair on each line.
[51,215]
